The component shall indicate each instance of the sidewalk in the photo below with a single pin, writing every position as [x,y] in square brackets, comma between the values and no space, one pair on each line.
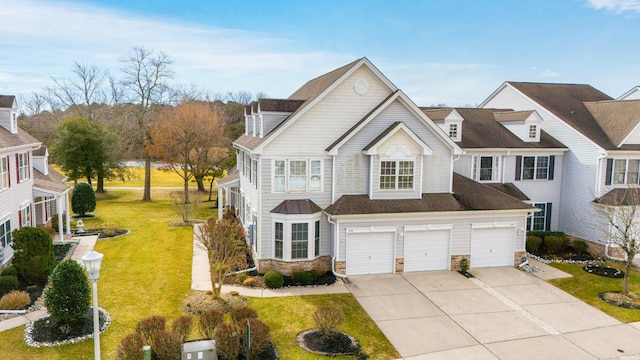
[201,279]
[85,244]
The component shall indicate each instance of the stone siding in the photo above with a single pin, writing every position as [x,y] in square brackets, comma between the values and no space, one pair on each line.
[321,264]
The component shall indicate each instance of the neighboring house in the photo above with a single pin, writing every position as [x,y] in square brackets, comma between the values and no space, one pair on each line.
[633,94]
[603,138]
[349,174]
[508,151]
[31,192]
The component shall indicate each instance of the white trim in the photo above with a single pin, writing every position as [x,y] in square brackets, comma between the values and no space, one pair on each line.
[496,224]
[353,230]
[428,227]
[426,150]
[635,128]
[432,215]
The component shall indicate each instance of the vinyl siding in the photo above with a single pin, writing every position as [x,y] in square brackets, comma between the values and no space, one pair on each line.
[634,138]
[579,166]
[460,234]
[321,125]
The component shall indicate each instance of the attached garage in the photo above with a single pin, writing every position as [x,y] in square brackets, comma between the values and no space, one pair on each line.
[427,250]
[492,245]
[370,252]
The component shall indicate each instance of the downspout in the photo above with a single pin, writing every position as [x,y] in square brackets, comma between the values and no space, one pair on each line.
[333,179]
[337,247]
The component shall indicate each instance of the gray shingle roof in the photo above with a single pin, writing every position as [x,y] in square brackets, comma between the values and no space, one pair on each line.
[8,139]
[468,195]
[294,207]
[620,197]
[54,181]
[566,101]
[617,117]
[6,101]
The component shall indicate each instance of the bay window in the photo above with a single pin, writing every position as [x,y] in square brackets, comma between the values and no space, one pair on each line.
[299,241]
[279,240]
[296,237]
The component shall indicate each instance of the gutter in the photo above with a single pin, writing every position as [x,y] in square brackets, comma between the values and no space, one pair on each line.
[333,258]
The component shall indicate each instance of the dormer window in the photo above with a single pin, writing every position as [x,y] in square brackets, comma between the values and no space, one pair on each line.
[453,131]
[533,131]
[396,175]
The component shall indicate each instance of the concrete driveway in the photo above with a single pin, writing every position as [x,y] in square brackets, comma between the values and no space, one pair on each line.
[503,313]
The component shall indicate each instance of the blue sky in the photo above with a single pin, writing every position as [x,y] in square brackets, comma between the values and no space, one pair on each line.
[454,52]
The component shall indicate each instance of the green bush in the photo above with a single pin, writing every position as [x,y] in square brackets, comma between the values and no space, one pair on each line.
[533,243]
[68,295]
[8,283]
[83,199]
[15,300]
[209,320]
[9,271]
[580,246]
[130,347]
[554,244]
[227,340]
[464,265]
[304,277]
[33,255]
[273,279]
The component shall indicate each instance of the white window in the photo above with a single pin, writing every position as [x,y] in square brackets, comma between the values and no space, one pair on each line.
[533,131]
[279,176]
[396,175]
[5,233]
[535,167]
[485,168]
[625,171]
[25,215]
[453,131]
[4,173]
[538,221]
[279,240]
[296,237]
[254,173]
[23,166]
[297,175]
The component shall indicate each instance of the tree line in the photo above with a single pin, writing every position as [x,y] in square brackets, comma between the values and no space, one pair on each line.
[93,121]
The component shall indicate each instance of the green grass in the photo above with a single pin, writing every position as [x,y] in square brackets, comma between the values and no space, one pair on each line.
[148,272]
[288,316]
[586,287]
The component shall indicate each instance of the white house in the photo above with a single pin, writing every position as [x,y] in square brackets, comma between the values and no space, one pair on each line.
[508,151]
[632,94]
[349,173]
[603,138]
[31,192]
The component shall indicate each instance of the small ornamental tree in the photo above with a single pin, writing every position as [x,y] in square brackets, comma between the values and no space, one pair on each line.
[69,295]
[33,255]
[83,199]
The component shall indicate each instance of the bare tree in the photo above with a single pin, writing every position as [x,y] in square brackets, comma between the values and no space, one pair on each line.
[81,91]
[185,204]
[225,243]
[34,104]
[240,97]
[622,214]
[144,78]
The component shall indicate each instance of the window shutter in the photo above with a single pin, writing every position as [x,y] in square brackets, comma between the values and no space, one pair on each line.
[9,170]
[20,219]
[607,179]
[17,169]
[28,166]
[518,167]
[552,163]
[547,222]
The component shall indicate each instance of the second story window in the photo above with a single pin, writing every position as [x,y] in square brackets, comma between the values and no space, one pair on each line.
[453,131]
[23,166]
[297,175]
[535,167]
[533,131]
[485,168]
[4,173]
[396,175]
[625,171]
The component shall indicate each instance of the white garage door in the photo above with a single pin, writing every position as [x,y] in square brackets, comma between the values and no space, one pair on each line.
[492,247]
[370,253]
[426,250]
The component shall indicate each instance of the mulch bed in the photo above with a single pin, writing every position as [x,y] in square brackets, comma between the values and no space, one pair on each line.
[46,333]
[605,271]
[336,343]
[631,301]
[326,279]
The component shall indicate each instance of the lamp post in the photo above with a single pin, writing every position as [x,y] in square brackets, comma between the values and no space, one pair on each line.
[92,262]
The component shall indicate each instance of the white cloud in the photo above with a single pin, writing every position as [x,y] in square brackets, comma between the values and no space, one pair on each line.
[618,6]
[548,73]
[45,38]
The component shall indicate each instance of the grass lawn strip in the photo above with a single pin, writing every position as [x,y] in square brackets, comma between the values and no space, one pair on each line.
[587,288]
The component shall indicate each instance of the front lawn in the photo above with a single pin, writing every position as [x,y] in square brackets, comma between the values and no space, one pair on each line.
[586,287]
[288,316]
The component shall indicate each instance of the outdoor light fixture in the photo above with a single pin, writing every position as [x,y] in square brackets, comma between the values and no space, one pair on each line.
[92,262]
